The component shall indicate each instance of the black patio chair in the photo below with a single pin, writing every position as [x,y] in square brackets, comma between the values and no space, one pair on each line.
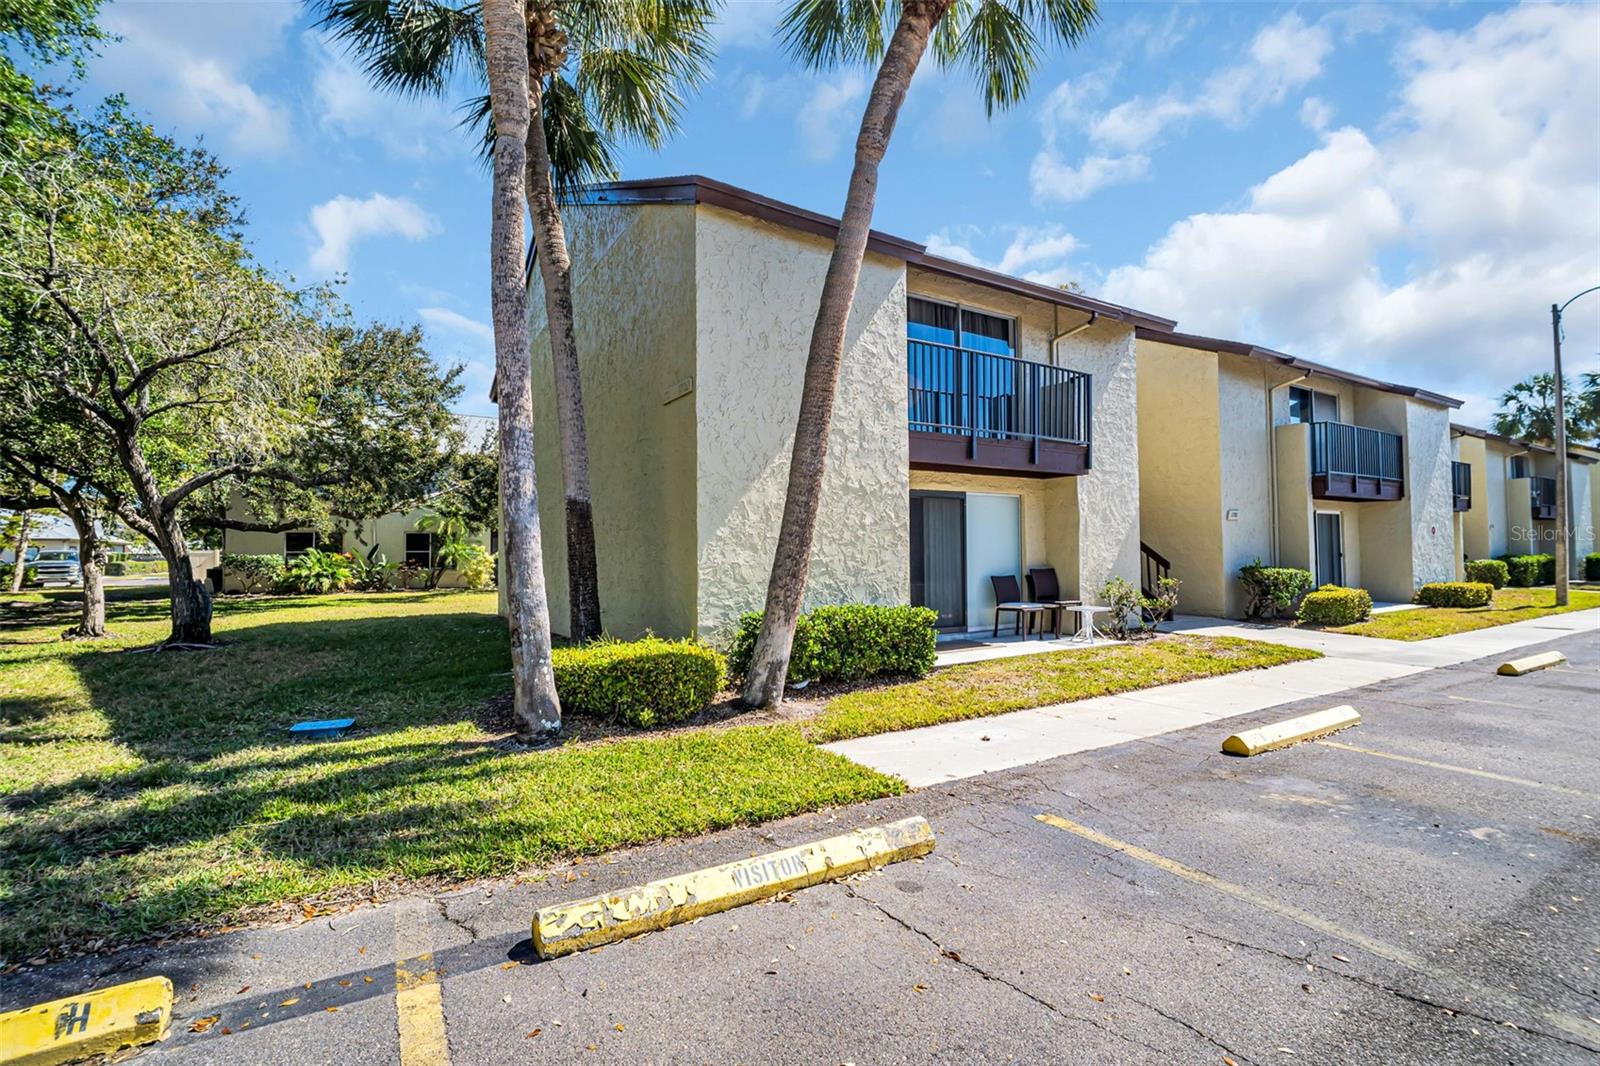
[1008,599]
[1043,587]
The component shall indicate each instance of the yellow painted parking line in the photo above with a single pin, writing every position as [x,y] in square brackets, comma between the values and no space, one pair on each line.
[94,1023]
[1480,995]
[1528,664]
[1291,731]
[418,999]
[1490,774]
[584,923]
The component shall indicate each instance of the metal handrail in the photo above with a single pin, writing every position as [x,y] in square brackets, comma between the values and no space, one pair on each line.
[981,394]
[1343,450]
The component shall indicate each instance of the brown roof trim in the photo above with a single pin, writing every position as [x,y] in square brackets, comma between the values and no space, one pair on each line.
[696,189]
[1527,445]
[1268,355]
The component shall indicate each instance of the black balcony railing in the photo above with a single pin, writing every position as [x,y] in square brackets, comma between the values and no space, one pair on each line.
[1461,484]
[1542,493]
[1340,450]
[986,396]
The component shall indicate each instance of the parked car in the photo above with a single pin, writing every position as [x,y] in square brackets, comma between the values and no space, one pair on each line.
[59,565]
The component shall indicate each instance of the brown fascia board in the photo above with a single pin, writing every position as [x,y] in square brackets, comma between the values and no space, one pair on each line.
[1268,355]
[696,189]
[1526,445]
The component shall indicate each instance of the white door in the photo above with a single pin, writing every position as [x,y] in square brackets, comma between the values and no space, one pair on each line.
[994,546]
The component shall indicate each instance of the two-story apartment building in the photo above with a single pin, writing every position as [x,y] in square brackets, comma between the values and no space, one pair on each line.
[1248,454]
[1509,503]
[984,423]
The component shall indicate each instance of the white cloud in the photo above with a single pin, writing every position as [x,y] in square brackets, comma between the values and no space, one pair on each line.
[1316,113]
[341,222]
[190,63]
[349,105]
[448,321]
[1038,253]
[748,23]
[1432,252]
[828,119]
[1281,57]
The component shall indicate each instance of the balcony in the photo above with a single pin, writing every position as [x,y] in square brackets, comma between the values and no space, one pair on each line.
[1542,494]
[1355,463]
[1461,485]
[976,411]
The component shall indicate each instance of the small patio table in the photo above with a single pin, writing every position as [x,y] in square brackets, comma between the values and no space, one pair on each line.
[1087,631]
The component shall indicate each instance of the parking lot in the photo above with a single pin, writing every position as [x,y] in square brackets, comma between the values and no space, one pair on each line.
[1422,888]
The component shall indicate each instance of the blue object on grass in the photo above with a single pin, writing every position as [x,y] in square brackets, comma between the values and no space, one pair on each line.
[323,730]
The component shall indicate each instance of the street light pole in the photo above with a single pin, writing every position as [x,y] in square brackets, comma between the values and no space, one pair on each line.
[1563,562]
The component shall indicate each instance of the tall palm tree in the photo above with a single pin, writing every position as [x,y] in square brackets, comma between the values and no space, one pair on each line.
[999,42]
[599,70]
[505,54]
[1527,409]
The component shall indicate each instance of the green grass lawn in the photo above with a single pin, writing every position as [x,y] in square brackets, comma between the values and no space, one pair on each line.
[999,685]
[1509,605]
[145,794]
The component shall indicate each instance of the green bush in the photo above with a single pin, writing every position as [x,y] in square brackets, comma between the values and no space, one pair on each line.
[122,566]
[255,571]
[1591,566]
[1525,571]
[644,682]
[29,575]
[1456,594]
[1273,591]
[316,571]
[1334,605]
[848,642]
[1489,572]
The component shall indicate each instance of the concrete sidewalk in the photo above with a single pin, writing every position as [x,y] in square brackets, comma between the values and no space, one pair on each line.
[965,749]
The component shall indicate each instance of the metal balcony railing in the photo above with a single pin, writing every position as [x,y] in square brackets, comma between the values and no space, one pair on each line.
[1342,450]
[979,394]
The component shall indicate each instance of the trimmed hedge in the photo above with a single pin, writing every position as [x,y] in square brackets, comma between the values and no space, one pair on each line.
[1274,591]
[645,682]
[1456,594]
[1525,571]
[848,642]
[1591,566]
[1334,605]
[124,567]
[1489,572]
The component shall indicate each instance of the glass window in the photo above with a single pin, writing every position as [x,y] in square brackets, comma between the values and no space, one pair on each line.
[986,333]
[1519,466]
[419,549]
[1299,404]
[296,543]
[1325,407]
[929,320]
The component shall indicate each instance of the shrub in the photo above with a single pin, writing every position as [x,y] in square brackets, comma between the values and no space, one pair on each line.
[255,571]
[1489,572]
[1525,571]
[478,571]
[848,642]
[1132,612]
[318,571]
[30,574]
[121,566]
[1334,605]
[1273,591]
[644,682]
[1591,566]
[372,573]
[1456,594]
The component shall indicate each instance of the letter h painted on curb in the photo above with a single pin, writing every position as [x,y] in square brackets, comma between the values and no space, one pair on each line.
[72,1016]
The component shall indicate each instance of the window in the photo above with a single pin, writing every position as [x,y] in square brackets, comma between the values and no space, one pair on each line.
[419,549]
[296,543]
[1519,466]
[494,542]
[942,323]
[1299,404]
[1308,405]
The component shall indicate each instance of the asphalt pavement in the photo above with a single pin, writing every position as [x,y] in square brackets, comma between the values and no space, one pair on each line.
[1424,888]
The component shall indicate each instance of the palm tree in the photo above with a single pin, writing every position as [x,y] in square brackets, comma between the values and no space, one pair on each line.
[998,41]
[598,70]
[1527,409]
[505,53]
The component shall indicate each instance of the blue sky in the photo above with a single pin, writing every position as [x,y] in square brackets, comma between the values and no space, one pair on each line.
[1401,189]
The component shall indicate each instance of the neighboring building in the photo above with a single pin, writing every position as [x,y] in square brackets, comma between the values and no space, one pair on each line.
[397,536]
[984,424]
[54,533]
[1249,454]
[1511,506]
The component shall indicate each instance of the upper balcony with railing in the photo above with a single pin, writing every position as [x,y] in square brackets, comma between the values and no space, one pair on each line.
[1356,463]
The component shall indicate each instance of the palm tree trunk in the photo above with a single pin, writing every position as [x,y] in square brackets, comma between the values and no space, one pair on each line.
[534,702]
[20,556]
[555,268]
[769,664]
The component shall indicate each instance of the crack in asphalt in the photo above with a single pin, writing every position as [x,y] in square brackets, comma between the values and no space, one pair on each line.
[1195,1029]
[462,924]
[956,958]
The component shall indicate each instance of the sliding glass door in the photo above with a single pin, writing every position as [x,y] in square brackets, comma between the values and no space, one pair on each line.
[939,556]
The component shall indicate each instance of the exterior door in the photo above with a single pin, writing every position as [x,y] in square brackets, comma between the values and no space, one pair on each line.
[939,556]
[1330,548]
[994,546]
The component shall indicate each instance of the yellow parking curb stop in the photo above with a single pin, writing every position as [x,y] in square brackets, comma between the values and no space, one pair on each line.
[1282,734]
[94,1023]
[1528,664]
[584,923]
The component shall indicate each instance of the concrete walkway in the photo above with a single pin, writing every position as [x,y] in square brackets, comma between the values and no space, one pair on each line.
[965,749]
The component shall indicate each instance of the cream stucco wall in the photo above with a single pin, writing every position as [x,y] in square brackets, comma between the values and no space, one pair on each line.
[634,305]
[1409,542]
[757,287]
